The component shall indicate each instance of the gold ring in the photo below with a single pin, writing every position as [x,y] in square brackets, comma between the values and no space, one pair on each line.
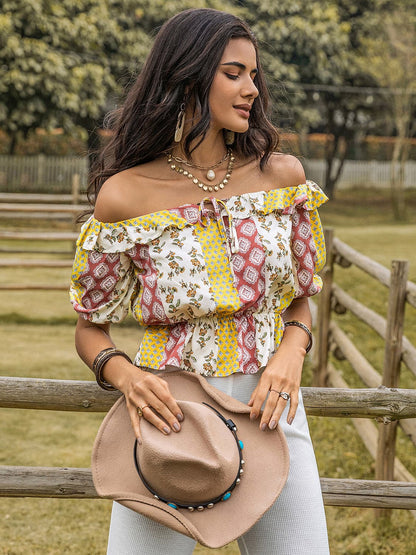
[141,409]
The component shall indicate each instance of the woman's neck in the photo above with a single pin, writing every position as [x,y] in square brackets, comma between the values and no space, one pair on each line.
[209,152]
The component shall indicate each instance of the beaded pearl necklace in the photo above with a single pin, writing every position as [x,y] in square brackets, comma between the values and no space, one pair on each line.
[209,169]
[201,185]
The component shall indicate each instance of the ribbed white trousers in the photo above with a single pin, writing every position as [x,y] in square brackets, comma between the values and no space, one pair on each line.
[294,525]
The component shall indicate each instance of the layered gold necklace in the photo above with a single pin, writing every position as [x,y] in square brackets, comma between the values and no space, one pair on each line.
[210,171]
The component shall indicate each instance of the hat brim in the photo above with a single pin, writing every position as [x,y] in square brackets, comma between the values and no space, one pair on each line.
[265,471]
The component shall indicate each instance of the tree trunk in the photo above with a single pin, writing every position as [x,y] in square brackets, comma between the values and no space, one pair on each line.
[337,151]
[13,143]
[93,144]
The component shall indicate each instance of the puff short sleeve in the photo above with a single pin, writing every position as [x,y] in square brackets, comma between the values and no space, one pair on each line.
[307,240]
[104,279]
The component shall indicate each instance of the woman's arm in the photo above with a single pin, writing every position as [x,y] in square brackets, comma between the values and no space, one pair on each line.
[139,387]
[284,370]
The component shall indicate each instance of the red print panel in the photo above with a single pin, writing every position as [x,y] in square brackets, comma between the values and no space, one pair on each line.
[248,264]
[150,302]
[247,359]
[99,279]
[304,250]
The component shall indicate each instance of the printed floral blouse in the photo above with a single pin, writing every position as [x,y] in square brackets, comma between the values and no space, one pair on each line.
[208,281]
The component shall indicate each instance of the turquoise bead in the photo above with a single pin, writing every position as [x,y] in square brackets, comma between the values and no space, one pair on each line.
[226,496]
[172,505]
[241,444]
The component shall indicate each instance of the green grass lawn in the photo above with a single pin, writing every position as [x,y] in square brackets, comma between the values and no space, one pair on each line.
[37,329]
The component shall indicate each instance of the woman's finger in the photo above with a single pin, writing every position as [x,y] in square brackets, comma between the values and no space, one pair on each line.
[175,414]
[150,415]
[135,422]
[160,415]
[294,402]
[257,399]
[272,410]
[154,392]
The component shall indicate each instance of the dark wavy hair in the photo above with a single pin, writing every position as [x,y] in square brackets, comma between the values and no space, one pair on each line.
[182,63]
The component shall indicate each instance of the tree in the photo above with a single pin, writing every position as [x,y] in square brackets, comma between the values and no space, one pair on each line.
[313,48]
[390,58]
[62,62]
[66,63]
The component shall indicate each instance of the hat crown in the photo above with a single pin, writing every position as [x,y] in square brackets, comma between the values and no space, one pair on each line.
[195,465]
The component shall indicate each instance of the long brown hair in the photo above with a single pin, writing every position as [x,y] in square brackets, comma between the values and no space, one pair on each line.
[184,59]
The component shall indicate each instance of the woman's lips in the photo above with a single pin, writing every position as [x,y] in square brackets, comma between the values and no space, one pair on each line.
[244,112]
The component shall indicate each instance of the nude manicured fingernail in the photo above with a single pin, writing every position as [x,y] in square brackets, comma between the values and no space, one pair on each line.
[253,416]
[290,420]
[166,430]
[179,417]
[272,424]
[139,441]
[263,426]
[176,427]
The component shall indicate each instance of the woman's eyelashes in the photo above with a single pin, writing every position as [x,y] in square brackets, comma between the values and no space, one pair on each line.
[234,77]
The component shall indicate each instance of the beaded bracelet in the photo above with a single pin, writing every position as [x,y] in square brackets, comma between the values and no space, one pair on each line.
[303,327]
[99,362]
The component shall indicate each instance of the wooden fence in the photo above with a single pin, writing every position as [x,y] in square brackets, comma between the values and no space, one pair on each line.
[380,441]
[66,395]
[394,486]
[41,173]
[40,206]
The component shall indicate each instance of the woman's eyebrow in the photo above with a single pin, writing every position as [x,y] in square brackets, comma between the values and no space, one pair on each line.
[240,65]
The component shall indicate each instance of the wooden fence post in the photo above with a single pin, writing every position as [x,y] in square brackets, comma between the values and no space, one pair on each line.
[40,176]
[75,200]
[320,377]
[386,448]
[75,188]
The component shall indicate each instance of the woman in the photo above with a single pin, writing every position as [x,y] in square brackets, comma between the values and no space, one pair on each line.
[214,241]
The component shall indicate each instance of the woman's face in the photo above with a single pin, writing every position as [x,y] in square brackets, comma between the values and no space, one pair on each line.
[233,90]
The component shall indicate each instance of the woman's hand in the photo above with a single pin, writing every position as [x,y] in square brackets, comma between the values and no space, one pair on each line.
[142,390]
[282,375]
[145,393]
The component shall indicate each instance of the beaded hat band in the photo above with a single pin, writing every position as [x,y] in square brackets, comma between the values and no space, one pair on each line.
[200,506]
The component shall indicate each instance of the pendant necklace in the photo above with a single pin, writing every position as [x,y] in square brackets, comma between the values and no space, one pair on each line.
[209,169]
[201,185]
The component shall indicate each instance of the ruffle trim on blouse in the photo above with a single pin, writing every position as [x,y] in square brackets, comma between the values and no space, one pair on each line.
[123,235]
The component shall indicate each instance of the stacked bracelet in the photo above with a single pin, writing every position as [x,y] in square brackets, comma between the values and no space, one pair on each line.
[99,362]
[303,327]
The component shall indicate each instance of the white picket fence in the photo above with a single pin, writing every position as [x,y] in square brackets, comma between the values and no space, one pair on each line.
[366,173]
[54,173]
[47,174]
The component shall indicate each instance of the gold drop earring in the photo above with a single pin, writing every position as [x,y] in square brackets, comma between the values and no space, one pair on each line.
[229,137]
[180,123]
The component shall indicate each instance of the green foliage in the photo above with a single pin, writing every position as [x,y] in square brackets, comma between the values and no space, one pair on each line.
[62,62]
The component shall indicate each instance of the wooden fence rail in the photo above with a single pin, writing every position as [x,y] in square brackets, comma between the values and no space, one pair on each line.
[76,483]
[42,197]
[72,395]
[38,235]
[345,256]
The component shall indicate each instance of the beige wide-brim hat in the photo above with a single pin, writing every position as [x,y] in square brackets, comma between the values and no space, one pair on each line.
[205,462]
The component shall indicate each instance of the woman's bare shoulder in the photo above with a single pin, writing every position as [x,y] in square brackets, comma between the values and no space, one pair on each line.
[123,195]
[113,198]
[284,170]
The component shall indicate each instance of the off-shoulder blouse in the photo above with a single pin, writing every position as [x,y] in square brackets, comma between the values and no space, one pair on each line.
[209,281]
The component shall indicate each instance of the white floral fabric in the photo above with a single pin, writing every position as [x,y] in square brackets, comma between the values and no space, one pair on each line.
[209,282]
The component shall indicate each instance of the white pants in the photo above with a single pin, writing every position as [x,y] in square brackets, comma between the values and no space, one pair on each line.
[294,525]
